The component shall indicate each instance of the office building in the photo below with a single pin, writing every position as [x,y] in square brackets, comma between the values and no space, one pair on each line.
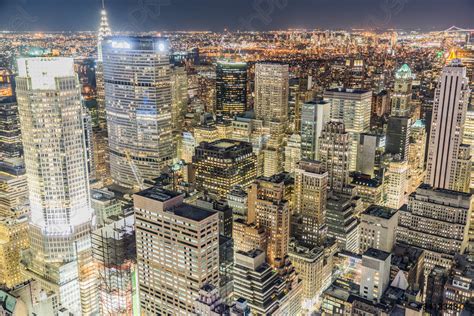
[179,96]
[223,164]
[271,92]
[138,111]
[398,136]
[106,205]
[375,274]
[269,207]
[377,229]
[292,153]
[370,190]
[402,91]
[447,127]
[351,107]
[249,236]
[48,91]
[370,148]
[311,189]
[334,153]
[416,155]
[13,188]
[10,134]
[104,31]
[396,184]
[342,223]
[314,266]
[266,291]
[177,251]
[314,116]
[436,220]
[231,87]
[13,240]
[114,254]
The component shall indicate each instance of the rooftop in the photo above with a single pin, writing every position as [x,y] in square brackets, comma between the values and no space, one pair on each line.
[380,211]
[192,212]
[158,194]
[377,254]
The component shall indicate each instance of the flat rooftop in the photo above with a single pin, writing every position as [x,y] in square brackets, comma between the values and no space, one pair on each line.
[380,211]
[191,212]
[377,254]
[158,194]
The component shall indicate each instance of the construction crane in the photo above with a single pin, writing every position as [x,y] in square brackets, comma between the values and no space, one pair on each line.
[135,170]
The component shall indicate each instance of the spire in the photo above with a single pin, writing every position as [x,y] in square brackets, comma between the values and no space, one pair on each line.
[104,29]
[452,55]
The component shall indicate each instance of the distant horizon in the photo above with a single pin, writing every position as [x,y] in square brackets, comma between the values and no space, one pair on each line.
[245,15]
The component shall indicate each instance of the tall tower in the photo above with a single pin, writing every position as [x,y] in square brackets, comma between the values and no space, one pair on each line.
[10,134]
[314,115]
[271,92]
[104,31]
[352,107]
[137,79]
[231,87]
[445,153]
[401,96]
[49,101]
[334,153]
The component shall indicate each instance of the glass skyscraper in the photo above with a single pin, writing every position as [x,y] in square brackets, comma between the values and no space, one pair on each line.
[231,87]
[49,100]
[137,80]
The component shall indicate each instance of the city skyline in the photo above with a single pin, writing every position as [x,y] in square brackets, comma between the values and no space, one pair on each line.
[247,15]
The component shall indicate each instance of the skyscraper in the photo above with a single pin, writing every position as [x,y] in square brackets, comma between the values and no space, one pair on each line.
[49,100]
[231,87]
[314,115]
[351,107]
[334,153]
[398,136]
[268,207]
[138,101]
[449,115]
[222,164]
[401,95]
[311,186]
[10,134]
[271,92]
[177,251]
[104,31]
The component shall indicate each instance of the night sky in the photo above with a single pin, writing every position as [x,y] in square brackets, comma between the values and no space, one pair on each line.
[141,15]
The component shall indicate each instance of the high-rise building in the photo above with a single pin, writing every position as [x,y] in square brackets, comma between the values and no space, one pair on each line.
[375,274]
[311,187]
[292,153]
[436,220]
[10,134]
[49,101]
[269,207]
[104,31]
[13,188]
[377,228]
[314,116]
[179,96]
[231,87]
[416,155]
[271,92]
[396,184]
[114,253]
[265,290]
[402,91]
[13,240]
[468,137]
[223,164]
[398,136]
[371,148]
[314,266]
[139,109]
[177,251]
[447,127]
[351,107]
[334,153]
[342,222]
